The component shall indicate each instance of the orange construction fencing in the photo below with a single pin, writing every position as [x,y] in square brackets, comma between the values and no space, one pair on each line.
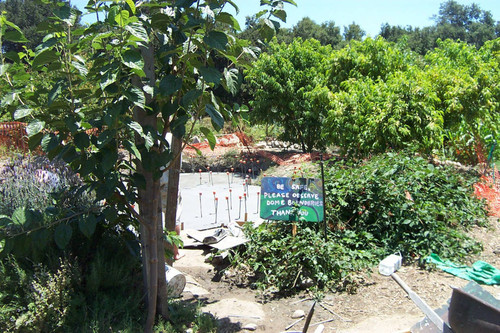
[13,135]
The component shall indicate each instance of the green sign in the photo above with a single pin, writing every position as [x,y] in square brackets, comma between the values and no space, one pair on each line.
[280,195]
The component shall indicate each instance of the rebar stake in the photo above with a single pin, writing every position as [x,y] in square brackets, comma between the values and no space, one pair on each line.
[246,213]
[216,205]
[201,211]
[228,210]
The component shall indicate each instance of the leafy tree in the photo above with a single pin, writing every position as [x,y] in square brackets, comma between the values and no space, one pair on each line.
[27,15]
[466,83]
[465,22]
[141,71]
[468,23]
[353,32]
[326,33]
[385,97]
[372,58]
[394,33]
[288,85]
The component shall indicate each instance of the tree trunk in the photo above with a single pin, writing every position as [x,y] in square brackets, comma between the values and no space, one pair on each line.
[173,187]
[150,210]
[162,302]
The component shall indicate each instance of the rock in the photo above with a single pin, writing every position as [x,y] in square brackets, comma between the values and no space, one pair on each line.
[319,329]
[250,327]
[298,314]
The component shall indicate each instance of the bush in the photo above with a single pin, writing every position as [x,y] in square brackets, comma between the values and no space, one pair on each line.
[282,262]
[34,300]
[35,183]
[407,204]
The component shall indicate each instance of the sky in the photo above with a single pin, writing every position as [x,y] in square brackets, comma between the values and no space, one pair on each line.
[369,14]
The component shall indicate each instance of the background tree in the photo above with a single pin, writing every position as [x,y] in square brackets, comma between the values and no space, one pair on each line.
[468,23]
[327,33]
[27,15]
[288,85]
[353,32]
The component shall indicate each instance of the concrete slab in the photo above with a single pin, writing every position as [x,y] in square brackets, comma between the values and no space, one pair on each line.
[203,211]
[236,310]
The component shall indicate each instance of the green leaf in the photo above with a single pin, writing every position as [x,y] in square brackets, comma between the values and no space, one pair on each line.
[19,216]
[80,67]
[136,95]
[281,14]
[109,77]
[109,158]
[232,82]
[267,29]
[132,148]
[178,126]
[87,225]
[55,91]
[190,96]
[184,3]
[3,69]
[170,84]
[14,56]
[105,137]
[34,141]
[6,246]
[212,141]
[35,127]
[148,140]
[216,39]
[4,221]
[135,126]
[131,5]
[49,142]
[133,59]
[45,57]
[137,30]
[215,115]
[8,99]
[211,74]
[81,140]
[41,238]
[62,235]
[227,18]
[63,12]
[15,36]
[122,18]
[22,112]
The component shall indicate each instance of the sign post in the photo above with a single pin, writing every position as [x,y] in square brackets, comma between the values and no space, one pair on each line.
[287,199]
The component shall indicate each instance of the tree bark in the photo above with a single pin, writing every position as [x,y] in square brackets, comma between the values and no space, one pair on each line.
[150,209]
[173,187]
[162,302]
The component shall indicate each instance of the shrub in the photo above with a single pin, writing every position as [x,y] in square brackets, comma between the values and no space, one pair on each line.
[407,204]
[34,183]
[34,300]
[282,262]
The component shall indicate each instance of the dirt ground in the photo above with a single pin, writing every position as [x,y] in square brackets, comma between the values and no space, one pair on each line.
[380,305]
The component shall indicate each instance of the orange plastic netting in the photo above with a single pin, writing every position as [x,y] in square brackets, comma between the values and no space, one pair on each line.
[487,188]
